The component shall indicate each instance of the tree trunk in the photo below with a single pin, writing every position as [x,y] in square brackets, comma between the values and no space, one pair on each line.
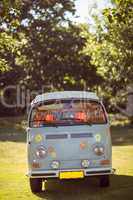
[129,106]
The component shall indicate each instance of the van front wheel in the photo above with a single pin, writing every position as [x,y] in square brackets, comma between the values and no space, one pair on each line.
[36,185]
[104,181]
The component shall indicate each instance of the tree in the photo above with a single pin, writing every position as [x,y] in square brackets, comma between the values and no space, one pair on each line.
[112,49]
[50,46]
[54,49]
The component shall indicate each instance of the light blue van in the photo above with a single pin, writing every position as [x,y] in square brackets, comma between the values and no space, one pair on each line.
[68,137]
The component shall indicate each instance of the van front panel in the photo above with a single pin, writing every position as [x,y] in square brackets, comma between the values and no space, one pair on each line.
[68,133]
[69,145]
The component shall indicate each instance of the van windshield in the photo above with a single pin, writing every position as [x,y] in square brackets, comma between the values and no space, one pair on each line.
[67,112]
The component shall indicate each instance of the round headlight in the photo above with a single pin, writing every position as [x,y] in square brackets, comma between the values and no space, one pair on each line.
[55,165]
[85,163]
[41,152]
[99,150]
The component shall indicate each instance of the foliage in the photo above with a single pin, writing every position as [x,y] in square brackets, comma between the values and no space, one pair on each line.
[53,51]
[112,47]
[41,47]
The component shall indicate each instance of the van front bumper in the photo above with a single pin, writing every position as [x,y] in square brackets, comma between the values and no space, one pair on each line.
[55,173]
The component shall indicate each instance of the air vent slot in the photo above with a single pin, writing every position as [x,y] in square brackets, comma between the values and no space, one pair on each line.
[81,135]
[56,136]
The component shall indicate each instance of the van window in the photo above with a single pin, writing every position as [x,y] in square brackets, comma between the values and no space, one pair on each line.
[67,112]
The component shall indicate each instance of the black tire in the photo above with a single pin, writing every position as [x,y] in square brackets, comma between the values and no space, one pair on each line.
[36,185]
[104,181]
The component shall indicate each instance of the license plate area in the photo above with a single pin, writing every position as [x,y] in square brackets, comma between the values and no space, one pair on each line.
[71,175]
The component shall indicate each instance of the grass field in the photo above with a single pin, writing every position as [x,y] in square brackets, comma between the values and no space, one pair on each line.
[14,184]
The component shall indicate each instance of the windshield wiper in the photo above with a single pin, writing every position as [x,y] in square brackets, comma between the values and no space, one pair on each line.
[45,122]
[72,119]
[88,123]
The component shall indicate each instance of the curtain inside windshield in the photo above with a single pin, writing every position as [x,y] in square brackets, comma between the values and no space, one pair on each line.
[67,112]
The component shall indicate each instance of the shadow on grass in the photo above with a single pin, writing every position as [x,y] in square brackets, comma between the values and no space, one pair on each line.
[122,135]
[12,135]
[121,187]
[13,129]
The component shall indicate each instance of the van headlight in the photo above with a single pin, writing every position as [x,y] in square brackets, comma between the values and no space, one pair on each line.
[55,164]
[99,150]
[85,163]
[41,152]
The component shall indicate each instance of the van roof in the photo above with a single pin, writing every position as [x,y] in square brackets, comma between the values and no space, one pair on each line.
[65,95]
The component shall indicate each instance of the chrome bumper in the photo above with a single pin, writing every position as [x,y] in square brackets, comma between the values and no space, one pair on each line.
[55,173]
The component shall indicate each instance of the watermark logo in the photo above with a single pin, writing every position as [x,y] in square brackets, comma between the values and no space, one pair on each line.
[18,96]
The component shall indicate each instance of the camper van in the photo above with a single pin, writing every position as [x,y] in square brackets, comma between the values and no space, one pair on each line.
[68,137]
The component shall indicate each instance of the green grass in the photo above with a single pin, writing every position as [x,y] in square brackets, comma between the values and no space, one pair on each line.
[13,166]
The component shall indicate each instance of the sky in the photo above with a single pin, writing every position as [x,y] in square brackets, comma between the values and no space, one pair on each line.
[83,8]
